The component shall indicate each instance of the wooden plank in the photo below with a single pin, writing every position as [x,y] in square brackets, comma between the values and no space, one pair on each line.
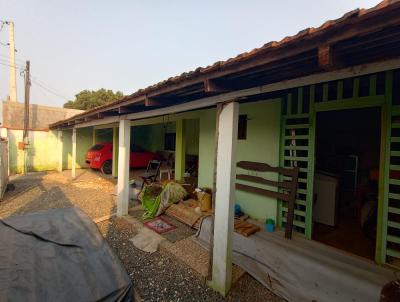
[325,92]
[263,181]
[296,158]
[297,126]
[394,153]
[262,192]
[395,110]
[289,104]
[302,180]
[394,239]
[216,86]
[302,191]
[263,167]
[296,223]
[393,253]
[361,102]
[394,210]
[303,148]
[394,224]
[394,168]
[395,139]
[384,163]
[296,137]
[372,84]
[394,196]
[300,100]
[301,202]
[395,182]
[296,212]
[295,116]
[325,57]
[395,125]
[356,87]
[339,90]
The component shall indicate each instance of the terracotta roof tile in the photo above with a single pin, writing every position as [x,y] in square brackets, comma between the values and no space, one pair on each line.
[256,51]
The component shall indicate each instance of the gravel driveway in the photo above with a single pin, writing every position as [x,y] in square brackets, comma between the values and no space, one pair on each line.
[157,276]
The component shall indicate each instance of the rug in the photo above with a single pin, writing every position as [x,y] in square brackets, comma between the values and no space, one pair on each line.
[159,225]
[184,214]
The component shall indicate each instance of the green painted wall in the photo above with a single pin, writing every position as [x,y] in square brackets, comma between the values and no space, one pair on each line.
[104,135]
[261,145]
[207,148]
[40,155]
[192,129]
[84,140]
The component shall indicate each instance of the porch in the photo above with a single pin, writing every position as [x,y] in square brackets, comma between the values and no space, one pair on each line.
[281,132]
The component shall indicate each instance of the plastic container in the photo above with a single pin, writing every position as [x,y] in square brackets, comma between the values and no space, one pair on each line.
[270,225]
[204,201]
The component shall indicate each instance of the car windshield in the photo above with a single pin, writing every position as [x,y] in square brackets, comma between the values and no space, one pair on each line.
[97,147]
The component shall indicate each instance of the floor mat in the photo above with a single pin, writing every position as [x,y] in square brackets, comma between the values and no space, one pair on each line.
[159,225]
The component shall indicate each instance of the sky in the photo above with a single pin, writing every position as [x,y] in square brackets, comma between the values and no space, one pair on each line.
[126,45]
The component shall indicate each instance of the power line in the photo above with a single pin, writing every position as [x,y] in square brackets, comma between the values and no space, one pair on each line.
[9,65]
[8,58]
[48,89]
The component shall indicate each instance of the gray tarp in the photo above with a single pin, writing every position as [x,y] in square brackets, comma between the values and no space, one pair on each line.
[58,255]
[304,270]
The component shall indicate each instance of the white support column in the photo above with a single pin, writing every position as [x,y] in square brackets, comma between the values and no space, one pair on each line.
[123,167]
[115,153]
[73,168]
[224,198]
[60,150]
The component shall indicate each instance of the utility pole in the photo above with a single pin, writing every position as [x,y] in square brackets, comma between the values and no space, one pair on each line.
[13,68]
[26,114]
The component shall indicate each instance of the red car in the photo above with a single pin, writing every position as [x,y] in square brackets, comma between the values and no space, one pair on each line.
[100,157]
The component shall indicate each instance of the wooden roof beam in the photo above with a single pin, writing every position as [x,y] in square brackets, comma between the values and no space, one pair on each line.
[216,86]
[327,58]
[125,110]
[151,102]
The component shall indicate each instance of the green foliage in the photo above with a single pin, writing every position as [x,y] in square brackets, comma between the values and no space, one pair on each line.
[86,99]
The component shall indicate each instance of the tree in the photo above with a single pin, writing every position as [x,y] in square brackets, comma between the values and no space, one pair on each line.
[86,99]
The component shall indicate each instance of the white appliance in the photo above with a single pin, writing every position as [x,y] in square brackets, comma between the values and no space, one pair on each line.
[325,198]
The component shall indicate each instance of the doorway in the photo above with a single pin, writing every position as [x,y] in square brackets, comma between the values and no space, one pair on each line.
[345,205]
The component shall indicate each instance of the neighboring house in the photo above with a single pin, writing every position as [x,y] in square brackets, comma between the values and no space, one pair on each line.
[42,141]
[326,100]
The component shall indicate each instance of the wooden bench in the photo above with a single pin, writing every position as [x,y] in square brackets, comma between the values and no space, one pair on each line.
[287,189]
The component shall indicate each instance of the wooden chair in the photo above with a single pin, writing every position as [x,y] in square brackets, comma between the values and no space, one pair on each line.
[288,188]
[152,171]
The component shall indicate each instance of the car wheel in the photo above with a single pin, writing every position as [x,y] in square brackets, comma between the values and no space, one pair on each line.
[106,168]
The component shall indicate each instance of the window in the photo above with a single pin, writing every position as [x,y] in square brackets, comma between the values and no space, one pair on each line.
[169,141]
[97,147]
[242,131]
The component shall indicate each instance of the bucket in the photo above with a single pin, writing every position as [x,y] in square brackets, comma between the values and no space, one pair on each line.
[204,201]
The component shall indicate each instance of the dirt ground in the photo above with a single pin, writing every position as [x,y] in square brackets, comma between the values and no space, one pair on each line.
[157,276]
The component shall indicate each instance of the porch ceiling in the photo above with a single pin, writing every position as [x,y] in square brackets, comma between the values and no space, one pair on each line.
[359,37]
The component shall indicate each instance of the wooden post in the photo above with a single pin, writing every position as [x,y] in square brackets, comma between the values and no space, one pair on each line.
[180,150]
[60,150]
[73,168]
[123,167]
[115,153]
[224,203]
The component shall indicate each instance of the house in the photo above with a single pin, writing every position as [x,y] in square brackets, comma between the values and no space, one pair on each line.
[326,100]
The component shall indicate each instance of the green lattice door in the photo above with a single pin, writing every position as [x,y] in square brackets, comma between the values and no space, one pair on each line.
[389,223]
[297,149]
